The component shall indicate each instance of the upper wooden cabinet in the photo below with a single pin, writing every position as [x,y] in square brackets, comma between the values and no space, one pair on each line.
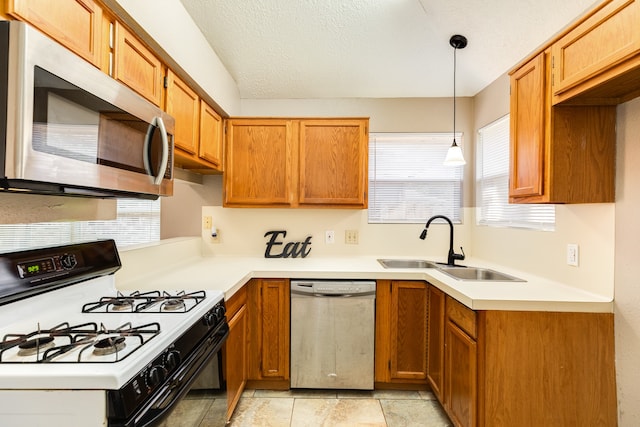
[333,162]
[296,162]
[259,162]
[559,153]
[598,61]
[184,105]
[198,134]
[211,140]
[76,24]
[401,332]
[137,66]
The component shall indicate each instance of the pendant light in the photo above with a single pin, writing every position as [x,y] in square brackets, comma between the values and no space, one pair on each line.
[454,155]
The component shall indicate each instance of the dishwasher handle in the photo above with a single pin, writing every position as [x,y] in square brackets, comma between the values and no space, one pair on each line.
[333,288]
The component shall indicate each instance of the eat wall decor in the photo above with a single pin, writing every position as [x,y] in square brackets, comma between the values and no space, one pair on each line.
[290,250]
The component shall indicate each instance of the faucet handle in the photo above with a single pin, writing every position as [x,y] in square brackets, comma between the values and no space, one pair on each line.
[459,256]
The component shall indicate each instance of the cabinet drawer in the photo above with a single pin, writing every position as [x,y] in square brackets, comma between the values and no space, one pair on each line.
[462,316]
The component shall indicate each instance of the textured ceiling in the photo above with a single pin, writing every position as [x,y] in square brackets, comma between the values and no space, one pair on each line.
[374,48]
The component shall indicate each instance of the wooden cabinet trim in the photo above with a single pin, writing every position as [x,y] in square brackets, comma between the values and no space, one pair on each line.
[435,341]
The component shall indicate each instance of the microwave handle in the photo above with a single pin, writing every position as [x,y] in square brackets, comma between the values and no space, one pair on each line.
[157,122]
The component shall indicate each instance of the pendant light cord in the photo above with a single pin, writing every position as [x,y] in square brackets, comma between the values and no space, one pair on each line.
[454,95]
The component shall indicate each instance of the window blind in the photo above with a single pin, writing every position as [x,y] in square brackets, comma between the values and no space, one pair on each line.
[408,182]
[492,184]
[137,221]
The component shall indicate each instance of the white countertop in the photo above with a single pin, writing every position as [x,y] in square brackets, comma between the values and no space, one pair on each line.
[175,268]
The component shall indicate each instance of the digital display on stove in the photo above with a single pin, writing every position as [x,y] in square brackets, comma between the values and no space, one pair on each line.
[36,267]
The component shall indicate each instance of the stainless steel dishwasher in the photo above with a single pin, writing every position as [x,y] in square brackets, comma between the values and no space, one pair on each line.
[332,334]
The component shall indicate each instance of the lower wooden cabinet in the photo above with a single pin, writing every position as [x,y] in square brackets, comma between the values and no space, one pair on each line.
[401,333]
[235,349]
[524,368]
[269,336]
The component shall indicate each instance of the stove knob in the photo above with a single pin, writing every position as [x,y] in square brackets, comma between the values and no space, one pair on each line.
[210,318]
[172,360]
[220,311]
[68,261]
[155,376]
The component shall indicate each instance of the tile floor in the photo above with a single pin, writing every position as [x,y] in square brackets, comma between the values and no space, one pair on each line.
[310,408]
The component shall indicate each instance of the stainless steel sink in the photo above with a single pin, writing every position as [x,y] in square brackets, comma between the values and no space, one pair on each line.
[479,274]
[408,263]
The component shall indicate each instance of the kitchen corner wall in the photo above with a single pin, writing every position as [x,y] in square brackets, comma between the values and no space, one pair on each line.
[627,267]
[543,253]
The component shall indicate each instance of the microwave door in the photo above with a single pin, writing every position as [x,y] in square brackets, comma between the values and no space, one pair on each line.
[71,126]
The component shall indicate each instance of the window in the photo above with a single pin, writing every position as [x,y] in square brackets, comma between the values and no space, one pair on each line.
[408,182]
[138,221]
[492,184]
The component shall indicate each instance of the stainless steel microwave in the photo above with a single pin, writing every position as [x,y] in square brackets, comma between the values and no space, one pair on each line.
[66,128]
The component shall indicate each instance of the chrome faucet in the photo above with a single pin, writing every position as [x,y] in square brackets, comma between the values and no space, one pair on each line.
[452,257]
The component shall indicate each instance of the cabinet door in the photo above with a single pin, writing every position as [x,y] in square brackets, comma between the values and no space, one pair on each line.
[259,164]
[75,24]
[136,66]
[409,330]
[210,147]
[184,105]
[235,356]
[333,162]
[528,129]
[603,41]
[435,341]
[274,311]
[461,376]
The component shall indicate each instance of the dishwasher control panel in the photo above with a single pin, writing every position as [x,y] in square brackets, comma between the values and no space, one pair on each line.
[333,287]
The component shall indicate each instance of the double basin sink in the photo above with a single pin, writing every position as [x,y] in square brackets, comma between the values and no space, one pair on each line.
[457,272]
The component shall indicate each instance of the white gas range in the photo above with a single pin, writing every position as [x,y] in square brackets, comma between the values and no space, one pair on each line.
[75,351]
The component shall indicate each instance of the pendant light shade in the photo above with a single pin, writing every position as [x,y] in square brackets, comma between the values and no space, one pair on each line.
[454,155]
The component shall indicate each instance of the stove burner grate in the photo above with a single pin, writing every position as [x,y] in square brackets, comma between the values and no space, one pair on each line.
[146,302]
[103,341]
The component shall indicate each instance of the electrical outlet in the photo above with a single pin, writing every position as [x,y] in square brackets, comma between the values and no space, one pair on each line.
[329,237]
[351,237]
[572,254]
[207,222]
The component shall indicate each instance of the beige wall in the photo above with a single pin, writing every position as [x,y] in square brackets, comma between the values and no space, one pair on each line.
[627,267]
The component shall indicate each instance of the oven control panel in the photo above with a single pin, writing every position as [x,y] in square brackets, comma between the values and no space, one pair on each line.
[29,272]
[46,266]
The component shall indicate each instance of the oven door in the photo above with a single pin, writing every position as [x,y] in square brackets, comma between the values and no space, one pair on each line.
[73,129]
[167,397]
